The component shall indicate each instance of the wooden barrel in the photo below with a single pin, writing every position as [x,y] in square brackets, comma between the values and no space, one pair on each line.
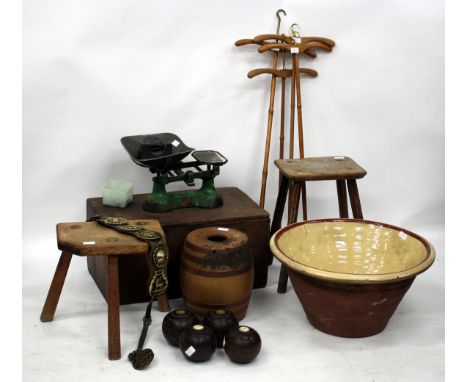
[216,271]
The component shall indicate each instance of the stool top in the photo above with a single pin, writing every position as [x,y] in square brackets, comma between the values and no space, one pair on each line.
[92,239]
[320,168]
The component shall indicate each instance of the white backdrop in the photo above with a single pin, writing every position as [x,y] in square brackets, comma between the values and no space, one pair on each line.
[94,71]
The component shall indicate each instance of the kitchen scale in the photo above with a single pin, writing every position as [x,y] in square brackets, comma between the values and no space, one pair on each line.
[163,154]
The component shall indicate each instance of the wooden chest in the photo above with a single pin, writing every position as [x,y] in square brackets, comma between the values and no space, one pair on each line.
[238,211]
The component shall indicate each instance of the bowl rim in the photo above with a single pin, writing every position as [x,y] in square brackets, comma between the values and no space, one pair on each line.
[351,277]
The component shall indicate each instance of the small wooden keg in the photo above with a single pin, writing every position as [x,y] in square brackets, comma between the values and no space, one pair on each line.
[216,271]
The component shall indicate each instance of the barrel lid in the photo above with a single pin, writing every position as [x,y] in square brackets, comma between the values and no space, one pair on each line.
[221,239]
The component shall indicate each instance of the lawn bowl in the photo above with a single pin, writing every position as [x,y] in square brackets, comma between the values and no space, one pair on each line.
[350,275]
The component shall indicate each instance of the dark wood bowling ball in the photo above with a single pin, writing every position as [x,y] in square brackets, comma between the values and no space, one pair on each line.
[175,322]
[242,344]
[197,343]
[220,320]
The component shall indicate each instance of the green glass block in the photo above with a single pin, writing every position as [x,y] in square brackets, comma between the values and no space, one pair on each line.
[116,193]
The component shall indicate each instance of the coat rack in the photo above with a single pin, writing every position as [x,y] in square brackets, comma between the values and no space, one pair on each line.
[293,45]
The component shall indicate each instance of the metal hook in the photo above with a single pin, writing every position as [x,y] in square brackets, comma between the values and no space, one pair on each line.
[279,19]
[278,31]
[294,30]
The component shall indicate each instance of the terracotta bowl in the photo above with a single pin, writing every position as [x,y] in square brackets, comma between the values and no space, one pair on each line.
[350,275]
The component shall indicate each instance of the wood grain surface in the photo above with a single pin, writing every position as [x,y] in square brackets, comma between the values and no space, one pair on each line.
[320,168]
[238,211]
[93,239]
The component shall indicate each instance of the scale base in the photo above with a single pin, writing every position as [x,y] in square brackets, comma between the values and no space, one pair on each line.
[168,201]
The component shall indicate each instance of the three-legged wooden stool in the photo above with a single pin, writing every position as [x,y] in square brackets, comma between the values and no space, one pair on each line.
[93,239]
[295,172]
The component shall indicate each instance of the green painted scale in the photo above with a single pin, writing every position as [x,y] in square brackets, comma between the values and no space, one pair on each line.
[163,154]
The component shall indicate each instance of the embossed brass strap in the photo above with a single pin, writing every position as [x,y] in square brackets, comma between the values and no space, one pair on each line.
[157,285]
[157,256]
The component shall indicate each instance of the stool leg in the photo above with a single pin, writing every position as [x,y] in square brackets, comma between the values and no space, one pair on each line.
[304,201]
[50,305]
[163,303]
[354,198]
[113,308]
[279,208]
[342,198]
[292,218]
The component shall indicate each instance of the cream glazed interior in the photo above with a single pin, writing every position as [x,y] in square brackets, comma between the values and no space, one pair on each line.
[353,250]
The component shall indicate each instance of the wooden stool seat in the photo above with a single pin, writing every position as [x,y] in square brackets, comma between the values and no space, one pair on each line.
[93,239]
[293,175]
[320,168]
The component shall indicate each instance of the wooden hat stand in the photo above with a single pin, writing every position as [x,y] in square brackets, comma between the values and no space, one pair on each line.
[294,173]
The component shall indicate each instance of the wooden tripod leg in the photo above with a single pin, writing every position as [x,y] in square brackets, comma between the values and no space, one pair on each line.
[279,208]
[283,99]
[52,299]
[292,218]
[292,112]
[354,198]
[342,198]
[113,308]
[281,138]
[269,127]
[291,122]
[300,129]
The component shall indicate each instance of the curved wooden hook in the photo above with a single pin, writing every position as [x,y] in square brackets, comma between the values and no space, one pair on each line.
[245,41]
[283,73]
[310,53]
[277,37]
[302,47]
[315,45]
[323,40]
[289,40]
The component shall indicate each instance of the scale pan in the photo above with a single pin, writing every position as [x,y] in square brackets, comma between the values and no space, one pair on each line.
[157,151]
[209,157]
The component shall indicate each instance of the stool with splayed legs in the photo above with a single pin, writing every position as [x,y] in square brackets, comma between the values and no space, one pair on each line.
[293,175]
[92,239]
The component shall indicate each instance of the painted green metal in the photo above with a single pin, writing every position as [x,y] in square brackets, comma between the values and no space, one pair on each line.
[162,201]
[163,154]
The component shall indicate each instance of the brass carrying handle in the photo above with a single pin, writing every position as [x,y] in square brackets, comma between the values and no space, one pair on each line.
[289,40]
[284,73]
[302,47]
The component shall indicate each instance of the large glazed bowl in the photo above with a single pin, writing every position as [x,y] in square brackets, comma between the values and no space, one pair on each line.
[350,275]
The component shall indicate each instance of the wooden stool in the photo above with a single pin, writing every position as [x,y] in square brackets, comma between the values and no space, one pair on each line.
[293,175]
[93,239]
